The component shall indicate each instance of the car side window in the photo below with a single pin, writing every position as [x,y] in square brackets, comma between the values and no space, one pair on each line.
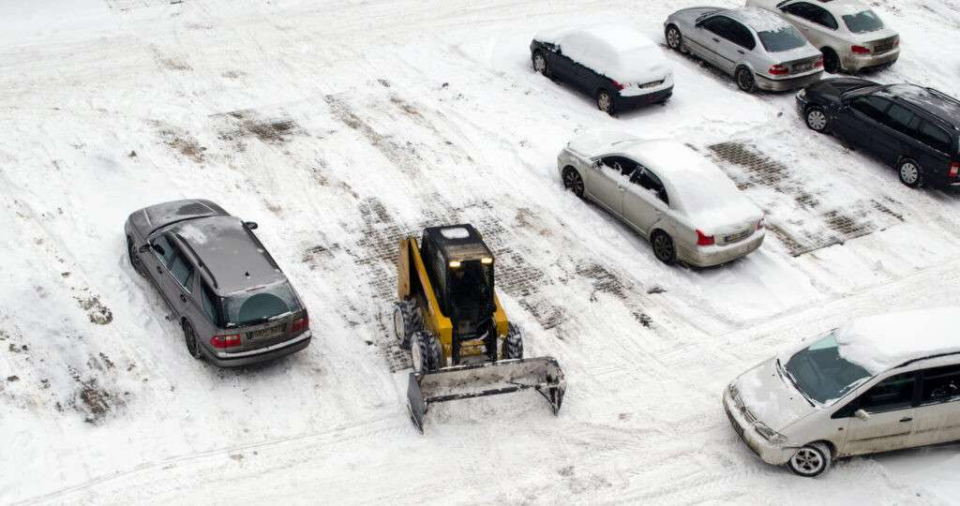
[934,136]
[800,9]
[620,164]
[940,385]
[742,36]
[645,178]
[873,107]
[210,307]
[822,17]
[167,254]
[891,394]
[182,271]
[719,25]
[901,119]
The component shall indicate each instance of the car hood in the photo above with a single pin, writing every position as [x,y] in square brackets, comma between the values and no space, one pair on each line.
[771,398]
[597,142]
[158,216]
[831,89]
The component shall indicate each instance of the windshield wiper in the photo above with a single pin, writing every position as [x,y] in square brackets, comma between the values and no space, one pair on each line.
[785,373]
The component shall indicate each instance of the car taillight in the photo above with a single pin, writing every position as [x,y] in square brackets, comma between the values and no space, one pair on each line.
[704,240]
[954,169]
[300,325]
[779,70]
[860,50]
[819,63]
[618,85]
[225,341]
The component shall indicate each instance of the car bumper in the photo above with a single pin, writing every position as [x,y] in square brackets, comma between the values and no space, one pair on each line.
[767,451]
[709,256]
[789,83]
[645,99]
[854,63]
[240,359]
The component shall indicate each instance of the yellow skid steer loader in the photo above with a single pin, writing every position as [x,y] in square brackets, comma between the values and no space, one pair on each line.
[449,317]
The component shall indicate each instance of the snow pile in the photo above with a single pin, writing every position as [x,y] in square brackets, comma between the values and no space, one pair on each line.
[879,343]
[616,51]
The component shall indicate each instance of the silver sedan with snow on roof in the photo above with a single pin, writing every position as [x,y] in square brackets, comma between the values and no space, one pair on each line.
[876,384]
[757,48]
[230,298]
[687,208]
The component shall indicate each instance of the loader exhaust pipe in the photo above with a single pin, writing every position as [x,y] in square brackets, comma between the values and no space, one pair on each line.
[469,381]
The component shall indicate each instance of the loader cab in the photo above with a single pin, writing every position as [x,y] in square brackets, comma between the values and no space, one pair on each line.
[461,270]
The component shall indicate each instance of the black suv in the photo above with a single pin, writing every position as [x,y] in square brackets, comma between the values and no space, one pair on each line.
[911,128]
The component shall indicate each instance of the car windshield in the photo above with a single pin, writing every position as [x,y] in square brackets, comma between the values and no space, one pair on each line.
[863,22]
[822,374]
[260,305]
[783,39]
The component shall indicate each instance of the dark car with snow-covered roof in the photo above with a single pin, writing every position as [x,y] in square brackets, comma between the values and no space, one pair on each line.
[911,128]
[234,304]
[757,48]
[614,64]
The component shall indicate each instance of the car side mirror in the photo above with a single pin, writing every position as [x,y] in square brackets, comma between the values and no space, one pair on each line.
[143,249]
[252,225]
[861,414]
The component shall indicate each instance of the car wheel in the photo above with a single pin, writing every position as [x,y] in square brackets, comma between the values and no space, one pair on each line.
[540,64]
[190,338]
[674,38]
[605,102]
[425,352]
[831,62]
[135,261]
[911,174]
[816,119]
[663,248]
[811,460]
[745,80]
[572,181]
[513,345]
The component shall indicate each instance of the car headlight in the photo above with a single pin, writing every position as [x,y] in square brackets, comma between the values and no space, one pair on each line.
[770,434]
[802,94]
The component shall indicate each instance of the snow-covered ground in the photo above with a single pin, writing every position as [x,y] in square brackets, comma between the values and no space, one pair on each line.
[340,125]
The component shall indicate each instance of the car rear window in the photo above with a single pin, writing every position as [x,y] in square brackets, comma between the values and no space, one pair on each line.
[863,22]
[257,306]
[784,39]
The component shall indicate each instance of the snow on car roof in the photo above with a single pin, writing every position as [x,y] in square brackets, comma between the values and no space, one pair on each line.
[880,343]
[616,51]
[758,19]
[846,7]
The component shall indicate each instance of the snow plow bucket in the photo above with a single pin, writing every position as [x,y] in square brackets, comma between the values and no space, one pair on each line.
[468,381]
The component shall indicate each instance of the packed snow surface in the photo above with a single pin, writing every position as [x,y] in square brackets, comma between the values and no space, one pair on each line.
[341,126]
[879,343]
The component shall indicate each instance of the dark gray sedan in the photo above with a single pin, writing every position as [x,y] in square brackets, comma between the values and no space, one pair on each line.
[234,304]
[757,48]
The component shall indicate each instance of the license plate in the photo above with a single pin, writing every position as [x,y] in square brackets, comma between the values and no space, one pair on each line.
[802,67]
[266,333]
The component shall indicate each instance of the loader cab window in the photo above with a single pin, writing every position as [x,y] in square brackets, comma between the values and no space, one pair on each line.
[470,288]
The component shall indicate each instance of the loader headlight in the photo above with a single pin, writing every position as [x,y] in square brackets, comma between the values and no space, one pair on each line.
[455,264]
[769,434]
[486,261]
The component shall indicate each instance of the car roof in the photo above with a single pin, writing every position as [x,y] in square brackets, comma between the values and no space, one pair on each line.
[759,20]
[458,242]
[617,36]
[930,100]
[231,255]
[883,342]
[841,7]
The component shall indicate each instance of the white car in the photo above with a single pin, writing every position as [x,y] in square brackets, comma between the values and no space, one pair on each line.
[851,36]
[679,200]
[876,384]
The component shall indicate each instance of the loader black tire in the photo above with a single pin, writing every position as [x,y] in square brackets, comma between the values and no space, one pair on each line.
[406,322]
[425,352]
[513,344]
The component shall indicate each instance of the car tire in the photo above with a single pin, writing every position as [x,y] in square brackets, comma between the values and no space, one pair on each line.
[573,181]
[745,80]
[674,38]
[663,247]
[134,257]
[606,102]
[540,64]
[811,460]
[190,339]
[425,352]
[831,62]
[406,322]
[816,119]
[513,344]
[910,172]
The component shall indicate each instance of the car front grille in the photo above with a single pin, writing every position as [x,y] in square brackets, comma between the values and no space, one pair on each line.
[885,45]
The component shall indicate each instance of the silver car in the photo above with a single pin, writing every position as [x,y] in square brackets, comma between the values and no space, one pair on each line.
[876,384]
[681,202]
[234,304]
[757,48]
[850,34]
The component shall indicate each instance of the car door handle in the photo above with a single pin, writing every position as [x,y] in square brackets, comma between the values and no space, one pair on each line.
[740,51]
[159,270]
[183,298]
[907,419]
[621,188]
[716,40]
